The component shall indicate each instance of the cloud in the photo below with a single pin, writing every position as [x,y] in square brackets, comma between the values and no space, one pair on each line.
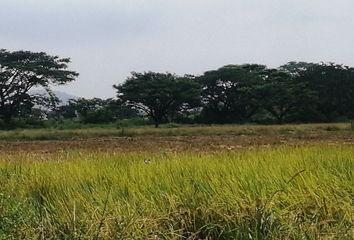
[69,22]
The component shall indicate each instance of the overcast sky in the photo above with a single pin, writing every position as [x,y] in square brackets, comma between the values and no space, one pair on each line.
[107,39]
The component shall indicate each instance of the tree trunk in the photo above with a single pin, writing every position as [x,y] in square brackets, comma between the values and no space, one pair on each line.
[156,121]
[280,118]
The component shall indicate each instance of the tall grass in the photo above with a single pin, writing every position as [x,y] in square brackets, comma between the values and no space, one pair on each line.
[280,193]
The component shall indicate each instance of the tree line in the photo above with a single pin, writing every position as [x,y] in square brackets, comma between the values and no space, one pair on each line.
[294,92]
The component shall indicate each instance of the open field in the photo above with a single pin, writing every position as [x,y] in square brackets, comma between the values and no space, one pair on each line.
[280,182]
[296,130]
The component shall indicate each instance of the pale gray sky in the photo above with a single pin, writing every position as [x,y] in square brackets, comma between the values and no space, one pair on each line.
[107,39]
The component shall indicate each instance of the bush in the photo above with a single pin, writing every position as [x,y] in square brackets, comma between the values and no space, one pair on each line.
[22,123]
[131,122]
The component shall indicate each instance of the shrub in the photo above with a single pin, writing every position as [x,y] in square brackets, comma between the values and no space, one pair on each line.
[131,122]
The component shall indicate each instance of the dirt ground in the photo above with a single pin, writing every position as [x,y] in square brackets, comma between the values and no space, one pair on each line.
[169,144]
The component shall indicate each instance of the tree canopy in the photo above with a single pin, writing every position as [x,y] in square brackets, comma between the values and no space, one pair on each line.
[294,92]
[96,110]
[334,87]
[21,71]
[281,94]
[230,93]
[159,95]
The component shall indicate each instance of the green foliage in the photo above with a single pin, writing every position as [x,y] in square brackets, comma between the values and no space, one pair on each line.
[132,122]
[22,123]
[230,93]
[21,71]
[280,193]
[159,95]
[297,92]
[282,95]
[95,111]
[333,85]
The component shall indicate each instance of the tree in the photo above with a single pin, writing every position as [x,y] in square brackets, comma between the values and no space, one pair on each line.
[159,95]
[21,71]
[281,94]
[97,110]
[66,111]
[296,69]
[229,94]
[333,85]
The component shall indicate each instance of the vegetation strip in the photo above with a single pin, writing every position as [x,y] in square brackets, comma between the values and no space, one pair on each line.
[279,193]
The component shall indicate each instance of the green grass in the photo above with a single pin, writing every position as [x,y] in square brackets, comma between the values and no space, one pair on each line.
[279,193]
[167,130]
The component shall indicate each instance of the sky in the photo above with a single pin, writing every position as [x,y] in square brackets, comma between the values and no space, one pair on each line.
[108,39]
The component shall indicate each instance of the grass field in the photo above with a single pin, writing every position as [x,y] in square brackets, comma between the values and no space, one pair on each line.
[167,130]
[268,185]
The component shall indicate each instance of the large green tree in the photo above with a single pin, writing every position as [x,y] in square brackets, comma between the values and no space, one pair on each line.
[159,95]
[22,71]
[282,94]
[333,85]
[230,93]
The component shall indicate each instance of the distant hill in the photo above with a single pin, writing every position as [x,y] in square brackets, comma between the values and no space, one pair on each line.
[63,96]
